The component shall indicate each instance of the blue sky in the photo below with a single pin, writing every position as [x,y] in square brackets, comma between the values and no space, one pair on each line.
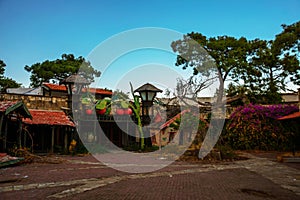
[38,30]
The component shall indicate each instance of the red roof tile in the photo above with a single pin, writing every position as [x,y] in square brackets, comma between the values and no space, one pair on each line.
[98,91]
[47,117]
[290,116]
[7,107]
[56,87]
[4,105]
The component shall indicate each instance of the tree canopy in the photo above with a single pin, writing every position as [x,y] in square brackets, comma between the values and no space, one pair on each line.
[263,67]
[59,69]
[287,44]
[6,82]
[278,62]
[228,53]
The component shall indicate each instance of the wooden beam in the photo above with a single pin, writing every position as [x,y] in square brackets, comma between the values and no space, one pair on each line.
[5,135]
[52,139]
[66,141]
[20,133]
[1,123]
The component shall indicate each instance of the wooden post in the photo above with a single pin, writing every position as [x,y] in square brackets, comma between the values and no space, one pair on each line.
[66,140]
[5,135]
[43,140]
[24,141]
[1,123]
[127,133]
[20,134]
[52,140]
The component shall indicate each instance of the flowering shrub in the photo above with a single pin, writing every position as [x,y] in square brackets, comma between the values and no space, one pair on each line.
[256,127]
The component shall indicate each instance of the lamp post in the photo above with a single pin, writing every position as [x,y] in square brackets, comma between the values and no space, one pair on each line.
[147,93]
[74,84]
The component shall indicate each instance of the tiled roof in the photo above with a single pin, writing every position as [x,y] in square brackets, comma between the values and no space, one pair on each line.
[98,91]
[55,87]
[290,116]
[4,105]
[47,117]
[7,107]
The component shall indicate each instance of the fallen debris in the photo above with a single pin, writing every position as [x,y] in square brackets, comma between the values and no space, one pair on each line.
[6,160]
[30,157]
[289,157]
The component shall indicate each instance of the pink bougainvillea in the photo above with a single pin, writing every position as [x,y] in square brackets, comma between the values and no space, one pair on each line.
[255,127]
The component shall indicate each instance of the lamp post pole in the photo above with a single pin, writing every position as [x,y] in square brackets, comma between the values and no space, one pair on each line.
[74,84]
[147,93]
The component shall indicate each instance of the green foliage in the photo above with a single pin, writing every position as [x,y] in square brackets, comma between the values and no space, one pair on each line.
[237,91]
[224,56]
[247,95]
[136,108]
[2,68]
[59,69]
[187,124]
[104,104]
[137,148]
[80,149]
[101,104]
[87,98]
[276,62]
[263,66]
[226,152]
[257,127]
[6,82]
[275,68]
[120,99]
[287,45]
[117,95]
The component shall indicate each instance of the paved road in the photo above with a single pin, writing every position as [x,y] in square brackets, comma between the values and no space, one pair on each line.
[85,178]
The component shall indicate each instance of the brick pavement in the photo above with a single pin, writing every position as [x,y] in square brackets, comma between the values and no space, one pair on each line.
[255,178]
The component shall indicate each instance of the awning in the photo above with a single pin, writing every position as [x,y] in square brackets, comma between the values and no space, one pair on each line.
[8,107]
[290,116]
[49,117]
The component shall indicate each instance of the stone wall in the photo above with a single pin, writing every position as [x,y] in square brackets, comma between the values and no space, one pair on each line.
[38,102]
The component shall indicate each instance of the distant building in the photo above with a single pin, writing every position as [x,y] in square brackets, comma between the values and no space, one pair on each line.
[54,90]
[290,98]
[50,89]
[50,129]
[25,91]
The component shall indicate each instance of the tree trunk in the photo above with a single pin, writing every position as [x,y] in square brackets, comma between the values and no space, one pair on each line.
[221,87]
